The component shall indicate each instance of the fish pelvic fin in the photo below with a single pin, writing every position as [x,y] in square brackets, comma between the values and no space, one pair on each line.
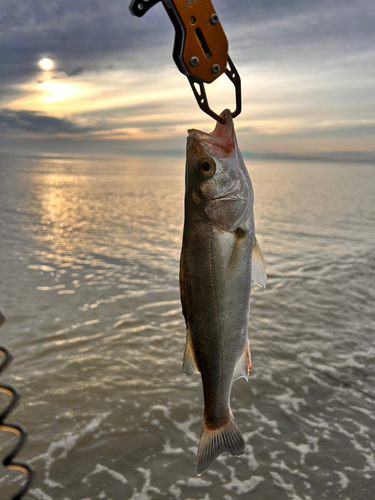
[217,441]
[259,268]
[189,365]
[243,365]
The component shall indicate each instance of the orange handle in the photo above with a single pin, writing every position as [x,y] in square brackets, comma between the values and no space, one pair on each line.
[205,46]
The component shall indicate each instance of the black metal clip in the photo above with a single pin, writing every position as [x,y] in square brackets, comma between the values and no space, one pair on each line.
[9,461]
[200,47]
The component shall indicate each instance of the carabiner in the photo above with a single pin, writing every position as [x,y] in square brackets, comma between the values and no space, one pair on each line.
[200,47]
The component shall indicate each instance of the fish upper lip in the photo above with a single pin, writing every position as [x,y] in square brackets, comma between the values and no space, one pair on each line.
[208,139]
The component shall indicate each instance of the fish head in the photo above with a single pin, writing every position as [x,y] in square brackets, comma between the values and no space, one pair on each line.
[217,180]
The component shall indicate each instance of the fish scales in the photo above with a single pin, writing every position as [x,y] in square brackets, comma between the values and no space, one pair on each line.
[215,280]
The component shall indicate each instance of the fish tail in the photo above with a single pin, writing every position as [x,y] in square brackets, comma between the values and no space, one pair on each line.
[216,441]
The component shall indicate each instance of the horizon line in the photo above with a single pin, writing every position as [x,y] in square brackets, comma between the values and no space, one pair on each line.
[362,157]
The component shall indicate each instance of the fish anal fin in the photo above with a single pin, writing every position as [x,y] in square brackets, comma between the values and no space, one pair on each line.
[214,442]
[243,365]
[189,365]
[259,268]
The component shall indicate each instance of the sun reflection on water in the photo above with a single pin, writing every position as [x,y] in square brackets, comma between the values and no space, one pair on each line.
[75,203]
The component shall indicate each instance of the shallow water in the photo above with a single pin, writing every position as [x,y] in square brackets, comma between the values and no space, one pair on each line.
[89,284]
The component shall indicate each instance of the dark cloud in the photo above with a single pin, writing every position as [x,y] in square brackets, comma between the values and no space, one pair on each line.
[92,36]
[41,124]
[95,34]
[38,123]
[73,31]
[74,72]
[301,32]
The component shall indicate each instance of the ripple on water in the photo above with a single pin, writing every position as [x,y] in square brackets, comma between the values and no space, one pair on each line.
[90,286]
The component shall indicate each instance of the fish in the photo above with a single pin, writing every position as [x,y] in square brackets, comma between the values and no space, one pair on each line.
[220,257]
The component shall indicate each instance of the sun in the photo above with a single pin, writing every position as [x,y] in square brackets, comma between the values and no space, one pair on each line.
[46,64]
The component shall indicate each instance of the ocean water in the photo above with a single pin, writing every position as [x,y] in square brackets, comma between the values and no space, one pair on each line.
[89,258]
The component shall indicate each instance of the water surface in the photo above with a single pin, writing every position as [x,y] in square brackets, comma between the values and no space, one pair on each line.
[89,283]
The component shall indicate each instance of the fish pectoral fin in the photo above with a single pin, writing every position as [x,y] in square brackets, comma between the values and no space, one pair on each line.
[259,268]
[189,365]
[214,442]
[243,365]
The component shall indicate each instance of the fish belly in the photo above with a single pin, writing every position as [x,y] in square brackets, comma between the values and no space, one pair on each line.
[216,270]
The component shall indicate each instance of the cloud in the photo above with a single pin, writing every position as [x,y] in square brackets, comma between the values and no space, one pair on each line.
[74,72]
[81,34]
[38,123]
[74,31]
[301,34]
[301,62]
[92,36]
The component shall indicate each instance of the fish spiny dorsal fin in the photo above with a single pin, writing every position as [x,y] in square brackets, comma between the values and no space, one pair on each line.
[259,269]
[243,365]
[189,365]
[214,442]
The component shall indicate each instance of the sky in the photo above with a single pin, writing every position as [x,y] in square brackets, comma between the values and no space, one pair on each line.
[307,70]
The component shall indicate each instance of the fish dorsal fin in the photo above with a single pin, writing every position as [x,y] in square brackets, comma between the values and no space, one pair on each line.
[243,365]
[189,365]
[259,269]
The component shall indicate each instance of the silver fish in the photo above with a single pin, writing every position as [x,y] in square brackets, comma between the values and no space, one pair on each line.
[220,256]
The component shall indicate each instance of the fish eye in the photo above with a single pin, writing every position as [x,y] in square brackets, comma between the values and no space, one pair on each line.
[205,166]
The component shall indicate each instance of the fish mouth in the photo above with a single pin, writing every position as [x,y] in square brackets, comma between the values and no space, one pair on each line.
[209,140]
[222,139]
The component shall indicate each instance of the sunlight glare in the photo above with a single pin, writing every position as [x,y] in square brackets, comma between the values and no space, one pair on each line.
[58,91]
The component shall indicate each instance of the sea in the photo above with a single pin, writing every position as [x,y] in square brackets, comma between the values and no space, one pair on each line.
[89,263]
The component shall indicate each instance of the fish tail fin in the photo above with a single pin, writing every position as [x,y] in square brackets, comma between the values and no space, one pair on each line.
[216,441]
